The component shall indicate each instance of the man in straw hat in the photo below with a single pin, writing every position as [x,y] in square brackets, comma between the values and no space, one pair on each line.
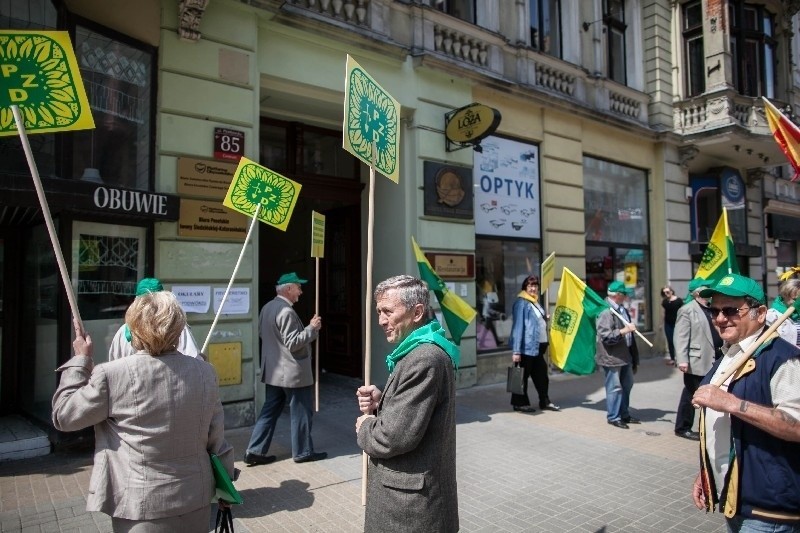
[750,425]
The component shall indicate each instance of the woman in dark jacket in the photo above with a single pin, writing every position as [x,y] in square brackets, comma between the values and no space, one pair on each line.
[528,345]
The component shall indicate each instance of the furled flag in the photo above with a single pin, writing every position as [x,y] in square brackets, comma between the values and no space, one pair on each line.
[786,134]
[573,330]
[457,313]
[719,258]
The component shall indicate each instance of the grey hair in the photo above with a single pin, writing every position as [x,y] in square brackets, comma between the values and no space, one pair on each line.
[753,304]
[789,290]
[282,287]
[411,290]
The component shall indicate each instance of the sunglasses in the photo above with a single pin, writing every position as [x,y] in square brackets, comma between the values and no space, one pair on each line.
[727,312]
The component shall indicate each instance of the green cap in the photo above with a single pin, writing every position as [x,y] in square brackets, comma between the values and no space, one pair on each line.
[737,286]
[698,284]
[290,277]
[618,286]
[147,285]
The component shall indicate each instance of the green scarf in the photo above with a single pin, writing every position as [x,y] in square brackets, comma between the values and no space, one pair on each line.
[780,306]
[430,333]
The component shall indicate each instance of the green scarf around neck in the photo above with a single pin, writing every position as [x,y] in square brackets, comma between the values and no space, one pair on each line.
[430,333]
[780,306]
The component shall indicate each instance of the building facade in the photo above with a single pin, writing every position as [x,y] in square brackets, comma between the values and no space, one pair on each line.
[625,126]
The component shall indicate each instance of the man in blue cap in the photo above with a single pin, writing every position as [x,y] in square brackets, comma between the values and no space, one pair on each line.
[697,342]
[750,425]
[121,344]
[286,372]
[618,356]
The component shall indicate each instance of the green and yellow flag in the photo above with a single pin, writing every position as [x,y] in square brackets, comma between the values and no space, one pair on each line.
[457,313]
[573,333]
[719,259]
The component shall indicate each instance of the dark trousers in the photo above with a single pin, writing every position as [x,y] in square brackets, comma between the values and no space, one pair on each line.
[536,369]
[684,418]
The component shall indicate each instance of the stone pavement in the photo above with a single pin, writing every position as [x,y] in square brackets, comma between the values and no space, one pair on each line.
[542,472]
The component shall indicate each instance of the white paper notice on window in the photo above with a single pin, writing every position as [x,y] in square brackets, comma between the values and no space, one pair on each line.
[238,302]
[193,298]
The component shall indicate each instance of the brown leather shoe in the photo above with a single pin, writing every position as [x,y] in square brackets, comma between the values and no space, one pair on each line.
[618,424]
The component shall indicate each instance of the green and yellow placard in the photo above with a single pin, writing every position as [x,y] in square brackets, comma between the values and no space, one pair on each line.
[317,234]
[371,115]
[39,73]
[254,185]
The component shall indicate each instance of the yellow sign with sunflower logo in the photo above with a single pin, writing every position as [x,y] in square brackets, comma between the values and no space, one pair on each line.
[371,118]
[254,185]
[40,75]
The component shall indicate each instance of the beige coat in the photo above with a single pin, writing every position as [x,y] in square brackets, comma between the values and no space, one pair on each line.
[156,419]
[692,339]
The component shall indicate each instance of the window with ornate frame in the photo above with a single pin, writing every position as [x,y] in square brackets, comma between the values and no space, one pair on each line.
[546,26]
[694,55]
[753,48]
[614,22]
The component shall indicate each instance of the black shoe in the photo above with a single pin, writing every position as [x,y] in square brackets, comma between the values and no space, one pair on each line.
[618,423]
[550,407]
[631,420]
[316,456]
[688,434]
[252,459]
[524,409]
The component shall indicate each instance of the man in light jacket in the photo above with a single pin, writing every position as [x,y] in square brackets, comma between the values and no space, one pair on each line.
[618,356]
[696,342]
[286,372]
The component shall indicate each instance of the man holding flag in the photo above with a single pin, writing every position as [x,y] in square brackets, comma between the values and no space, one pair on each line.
[618,355]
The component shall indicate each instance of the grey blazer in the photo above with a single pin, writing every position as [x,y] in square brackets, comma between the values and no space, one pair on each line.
[285,346]
[611,349]
[692,339]
[155,421]
[411,484]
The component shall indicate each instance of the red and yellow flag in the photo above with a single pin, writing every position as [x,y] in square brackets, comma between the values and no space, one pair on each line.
[786,134]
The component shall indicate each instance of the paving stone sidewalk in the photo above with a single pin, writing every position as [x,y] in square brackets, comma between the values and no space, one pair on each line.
[542,472]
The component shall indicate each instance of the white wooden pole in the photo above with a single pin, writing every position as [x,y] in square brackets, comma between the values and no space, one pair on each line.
[48,219]
[316,344]
[368,307]
[233,276]
[616,314]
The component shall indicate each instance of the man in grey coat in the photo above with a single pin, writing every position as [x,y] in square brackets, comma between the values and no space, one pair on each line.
[409,431]
[618,355]
[286,372]
[696,342]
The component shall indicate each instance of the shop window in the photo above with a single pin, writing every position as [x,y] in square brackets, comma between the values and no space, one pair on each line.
[463,9]
[617,233]
[118,81]
[614,21]
[605,264]
[500,268]
[693,48]
[28,15]
[546,26]
[107,263]
[753,47]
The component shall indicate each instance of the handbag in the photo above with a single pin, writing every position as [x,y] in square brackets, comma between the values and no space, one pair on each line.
[224,521]
[515,380]
[225,490]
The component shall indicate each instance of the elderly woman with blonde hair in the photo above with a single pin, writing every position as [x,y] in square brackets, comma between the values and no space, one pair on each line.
[156,415]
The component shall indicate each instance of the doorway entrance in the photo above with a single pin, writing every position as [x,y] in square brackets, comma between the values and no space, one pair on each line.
[313,157]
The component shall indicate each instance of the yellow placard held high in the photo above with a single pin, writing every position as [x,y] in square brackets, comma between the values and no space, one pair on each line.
[317,234]
[371,117]
[254,185]
[40,75]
